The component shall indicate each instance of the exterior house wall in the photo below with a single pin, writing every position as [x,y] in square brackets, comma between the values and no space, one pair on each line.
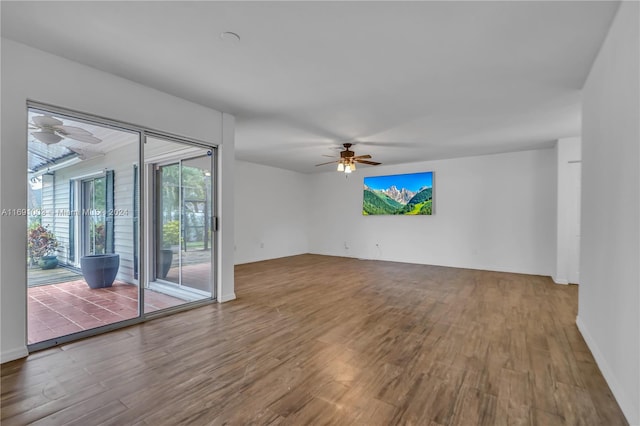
[55,202]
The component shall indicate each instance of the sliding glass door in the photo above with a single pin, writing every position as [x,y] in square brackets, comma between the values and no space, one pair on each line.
[112,234]
[183,244]
[81,255]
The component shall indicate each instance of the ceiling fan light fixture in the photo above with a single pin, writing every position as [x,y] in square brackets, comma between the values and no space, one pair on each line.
[348,159]
[48,138]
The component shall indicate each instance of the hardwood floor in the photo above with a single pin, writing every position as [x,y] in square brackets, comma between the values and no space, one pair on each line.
[326,340]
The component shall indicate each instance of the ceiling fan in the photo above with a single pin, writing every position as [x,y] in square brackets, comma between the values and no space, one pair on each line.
[51,130]
[85,154]
[348,159]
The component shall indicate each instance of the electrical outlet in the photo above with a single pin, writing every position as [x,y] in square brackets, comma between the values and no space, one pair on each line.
[346,246]
[261,245]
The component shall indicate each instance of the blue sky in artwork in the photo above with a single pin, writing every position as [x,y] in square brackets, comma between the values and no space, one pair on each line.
[412,181]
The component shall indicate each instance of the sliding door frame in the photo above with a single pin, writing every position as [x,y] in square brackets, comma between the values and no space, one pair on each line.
[143,212]
[151,198]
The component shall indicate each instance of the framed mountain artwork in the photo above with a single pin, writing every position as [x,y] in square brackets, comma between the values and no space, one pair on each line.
[407,194]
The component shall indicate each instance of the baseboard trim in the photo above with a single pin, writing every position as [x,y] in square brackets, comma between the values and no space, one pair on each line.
[13,354]
[227,297]
[560,280]
[621,397]
[245,262]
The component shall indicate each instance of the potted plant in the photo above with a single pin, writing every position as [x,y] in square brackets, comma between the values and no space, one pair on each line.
[42,245]
[170,237]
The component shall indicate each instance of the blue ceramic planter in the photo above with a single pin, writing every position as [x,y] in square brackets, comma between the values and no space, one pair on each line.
[100,270]
[166,257]
[48,262]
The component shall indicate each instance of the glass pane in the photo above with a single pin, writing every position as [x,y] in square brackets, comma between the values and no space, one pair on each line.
[168,179]
[83,202]
[182,244]
[94,212]
[196,220]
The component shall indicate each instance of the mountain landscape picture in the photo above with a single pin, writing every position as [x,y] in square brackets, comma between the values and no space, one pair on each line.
[408,194]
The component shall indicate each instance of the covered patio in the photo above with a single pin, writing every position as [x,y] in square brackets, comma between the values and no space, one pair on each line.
[60,302]
[84,201]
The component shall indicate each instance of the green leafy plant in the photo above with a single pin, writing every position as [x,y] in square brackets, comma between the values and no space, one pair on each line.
[171,233]
[40,242]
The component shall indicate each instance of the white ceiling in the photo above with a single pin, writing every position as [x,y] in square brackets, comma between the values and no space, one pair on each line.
[409,81]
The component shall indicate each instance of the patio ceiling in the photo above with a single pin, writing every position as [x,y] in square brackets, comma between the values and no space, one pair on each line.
[42,157]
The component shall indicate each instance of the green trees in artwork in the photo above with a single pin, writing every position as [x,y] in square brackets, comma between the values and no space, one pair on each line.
[426,208]
[419,204]
[378,203]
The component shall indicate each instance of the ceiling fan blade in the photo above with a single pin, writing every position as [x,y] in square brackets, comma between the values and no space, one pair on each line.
[85,154]
[330,156]
[72,130]
[373,163]
[83,138]
[330,162]
[361,156]
[388,144]
[46,121]
[47,137]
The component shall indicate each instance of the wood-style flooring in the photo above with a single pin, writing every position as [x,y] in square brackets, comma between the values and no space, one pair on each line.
[327,340]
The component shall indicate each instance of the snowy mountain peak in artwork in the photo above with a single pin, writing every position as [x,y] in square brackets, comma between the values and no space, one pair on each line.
[402,196]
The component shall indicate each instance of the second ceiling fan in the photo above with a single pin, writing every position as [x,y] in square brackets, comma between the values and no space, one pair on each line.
[51,130]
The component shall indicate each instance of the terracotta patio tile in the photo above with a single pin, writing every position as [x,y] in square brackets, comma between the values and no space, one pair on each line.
[108,316]
[37,328]
[62,331]
[88,324]
[72,306]
[58,321]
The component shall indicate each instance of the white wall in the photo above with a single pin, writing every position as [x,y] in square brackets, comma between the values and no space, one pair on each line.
[494,212]
[609,299]
[271,212]
[567,254]
[32,74]
[226,194]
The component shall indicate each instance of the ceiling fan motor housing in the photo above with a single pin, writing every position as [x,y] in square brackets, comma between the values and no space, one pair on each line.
[346,154]
[349,158]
